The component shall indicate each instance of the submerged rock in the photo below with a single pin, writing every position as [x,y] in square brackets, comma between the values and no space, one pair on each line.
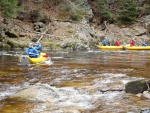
[36,93]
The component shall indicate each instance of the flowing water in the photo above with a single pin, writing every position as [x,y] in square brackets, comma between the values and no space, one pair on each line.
[76,82]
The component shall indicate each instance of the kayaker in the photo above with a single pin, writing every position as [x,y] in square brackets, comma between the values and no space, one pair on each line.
[144,43]
[38,47]
[132,43]
[105,43]
[117,43]
[32,52]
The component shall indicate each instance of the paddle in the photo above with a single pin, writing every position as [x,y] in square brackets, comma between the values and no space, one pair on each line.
[45,56]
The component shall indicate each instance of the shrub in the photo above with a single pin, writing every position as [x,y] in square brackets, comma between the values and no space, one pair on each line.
[128,12]
[102,10]
[9,7]
[75,17]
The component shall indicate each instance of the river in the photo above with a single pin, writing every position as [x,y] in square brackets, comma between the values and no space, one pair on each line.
[84,82]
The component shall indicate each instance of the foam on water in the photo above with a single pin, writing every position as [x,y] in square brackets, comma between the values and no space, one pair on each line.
[9,91]
[99,88]
[4,94]
[66,98]
[48,62]
[69,98]
[57,57]
[113,75]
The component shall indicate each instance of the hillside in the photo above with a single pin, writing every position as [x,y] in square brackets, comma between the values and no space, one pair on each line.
[74,24]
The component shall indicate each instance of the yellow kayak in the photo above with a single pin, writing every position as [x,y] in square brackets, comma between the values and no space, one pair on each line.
[24,59]
[111,47]
[37,60]
[137,47]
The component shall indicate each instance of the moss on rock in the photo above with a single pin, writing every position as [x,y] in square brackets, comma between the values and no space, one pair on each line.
[4,46]
[53,45]
[135,87]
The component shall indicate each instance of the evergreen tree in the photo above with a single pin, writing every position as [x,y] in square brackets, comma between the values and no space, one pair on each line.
[102,10]
[127,12]
[147,7]
[9,7]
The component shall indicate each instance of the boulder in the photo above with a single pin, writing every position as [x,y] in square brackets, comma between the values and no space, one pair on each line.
[74,46]
[34,39]
[36,93]
[146,22]
[135,87]
[39,24]
[11,34]
[38,16]
[22,34]
[148,27]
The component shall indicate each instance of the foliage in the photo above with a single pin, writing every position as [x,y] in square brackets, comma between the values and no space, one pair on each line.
[76,15]
[102,10]
[67,8]
[9,7]
[144,9]
[147,7]
[71,12]
[120,11]
[77,1]
[128,12]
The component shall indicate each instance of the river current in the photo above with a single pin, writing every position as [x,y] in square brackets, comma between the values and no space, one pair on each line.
[76,82]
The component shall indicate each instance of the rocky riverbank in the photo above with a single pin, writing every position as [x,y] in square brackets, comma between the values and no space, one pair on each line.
[72,35]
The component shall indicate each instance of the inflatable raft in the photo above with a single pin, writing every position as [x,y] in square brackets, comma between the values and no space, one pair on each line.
[137,47]
[111,47]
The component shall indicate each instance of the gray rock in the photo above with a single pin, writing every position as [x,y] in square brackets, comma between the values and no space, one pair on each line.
[42,29]
[38,16]
[11,34]
[36,27]
[34,39]
[39,24]
[136,87]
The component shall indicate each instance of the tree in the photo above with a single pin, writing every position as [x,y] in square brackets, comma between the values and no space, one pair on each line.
[102,10]
[127,12]
[9,7]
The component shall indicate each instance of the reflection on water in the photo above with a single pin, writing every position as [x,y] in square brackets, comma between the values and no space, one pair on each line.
[90,81]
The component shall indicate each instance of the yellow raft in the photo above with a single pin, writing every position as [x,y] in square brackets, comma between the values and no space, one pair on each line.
[111,47]
[137,47]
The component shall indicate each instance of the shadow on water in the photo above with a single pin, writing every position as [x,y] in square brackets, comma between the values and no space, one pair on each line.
[89,81]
